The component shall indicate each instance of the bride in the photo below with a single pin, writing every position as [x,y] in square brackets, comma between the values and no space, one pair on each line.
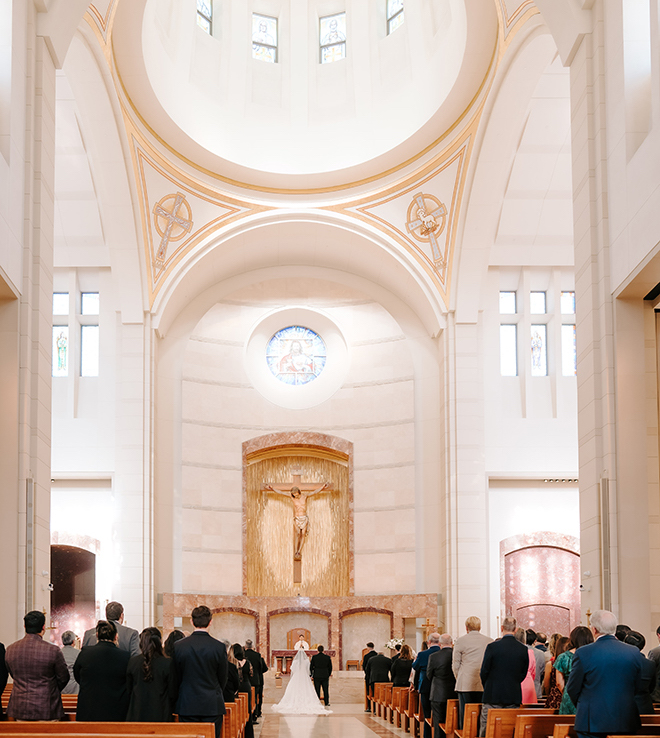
[300,697]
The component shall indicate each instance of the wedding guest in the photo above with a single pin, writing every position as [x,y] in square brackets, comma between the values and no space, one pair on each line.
[151,682]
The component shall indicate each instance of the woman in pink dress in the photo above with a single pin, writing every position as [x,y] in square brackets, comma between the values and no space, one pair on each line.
[527,686]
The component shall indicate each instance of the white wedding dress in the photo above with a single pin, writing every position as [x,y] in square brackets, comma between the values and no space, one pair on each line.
[300,697]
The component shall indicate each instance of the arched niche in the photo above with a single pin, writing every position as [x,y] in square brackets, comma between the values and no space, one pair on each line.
[360,626]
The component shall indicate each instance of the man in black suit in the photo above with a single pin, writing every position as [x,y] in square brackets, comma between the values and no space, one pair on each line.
[503,669]
[604,678]
[129,639]
[440,682]
[378,670]
[365,660]
[200,662]
[259,668]
[321,669]
[4,674]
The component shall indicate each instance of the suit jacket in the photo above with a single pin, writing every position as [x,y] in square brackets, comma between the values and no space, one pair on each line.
[467,659]
[378,669]
[365,661]
[70,655]
[200,662]
[101,672]
[4,674]
[503,669]
[539,657]
[420,663]
[439,676]
[643,698]
[153,701]
[39,673]
[320,666]
[604,679]
[259,667]
[129,639]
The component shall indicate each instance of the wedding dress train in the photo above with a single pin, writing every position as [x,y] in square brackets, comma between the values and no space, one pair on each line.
[300,697]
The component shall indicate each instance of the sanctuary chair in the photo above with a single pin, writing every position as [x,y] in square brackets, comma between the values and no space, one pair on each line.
[293,635]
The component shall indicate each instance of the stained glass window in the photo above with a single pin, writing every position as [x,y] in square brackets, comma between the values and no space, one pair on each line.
[394,15]
[89,303]
[264,38]
[507,303]
[508,350]
[539,351]
[60,350]
[60,303]
[205,15]
[333,37]
[296,355]
[567,303]
[568,351]
[89,351]
[537,303]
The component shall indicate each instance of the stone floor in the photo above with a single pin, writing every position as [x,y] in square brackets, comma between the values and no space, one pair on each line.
[346,688]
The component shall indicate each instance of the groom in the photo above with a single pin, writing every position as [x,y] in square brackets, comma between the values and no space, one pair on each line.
[320,670]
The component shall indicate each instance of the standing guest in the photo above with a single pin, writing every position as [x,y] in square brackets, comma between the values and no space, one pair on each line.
[70,651]
[603,682]
[100,670]
[244,671]
[200,662]
[468,653]
[321,671]
[259,668]
[4,674]
[441,681]
[39,673]
[378,670]
[643,698]
[539,657]
[397,648]
[233,681]
[580,636]
[419,666]
[550,686]
[128,639]
[172,638]
[622,631]
[528,687]
[503,669]
[151,682]
[654,653]
[401,667]
[365,660]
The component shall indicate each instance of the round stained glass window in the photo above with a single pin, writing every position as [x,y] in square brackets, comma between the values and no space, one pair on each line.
[296,355]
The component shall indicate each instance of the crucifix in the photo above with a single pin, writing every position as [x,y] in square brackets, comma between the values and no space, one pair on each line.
[428,627]
[299,492]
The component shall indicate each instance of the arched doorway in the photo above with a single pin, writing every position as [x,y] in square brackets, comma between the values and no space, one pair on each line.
[72,602]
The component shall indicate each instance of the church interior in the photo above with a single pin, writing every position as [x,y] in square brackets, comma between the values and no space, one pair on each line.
[403,257]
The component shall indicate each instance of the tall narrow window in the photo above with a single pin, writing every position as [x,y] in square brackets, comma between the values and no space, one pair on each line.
[508,350]
[205,15]
[60,303]
[60,350]
[394,15]
[264,38]
[537,304]
[508,303]
[333,37]
[567,303]
[89,303]
[89,350]
[539,349]
[568,351]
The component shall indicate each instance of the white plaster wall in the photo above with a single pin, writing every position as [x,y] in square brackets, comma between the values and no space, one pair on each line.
[374,409]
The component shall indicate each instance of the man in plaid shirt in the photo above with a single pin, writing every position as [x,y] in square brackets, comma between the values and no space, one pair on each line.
[39,673]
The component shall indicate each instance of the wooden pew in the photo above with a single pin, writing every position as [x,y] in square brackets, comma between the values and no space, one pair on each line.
[502,720]
[189,730]
[384,697]
[401,709]
[541,726]
[450,726]
[471,717]
[398,694]
[411,709]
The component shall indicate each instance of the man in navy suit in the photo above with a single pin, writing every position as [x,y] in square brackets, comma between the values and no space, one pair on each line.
[440,681]
[604,678]
[420,665]
[503,669]
[200,662]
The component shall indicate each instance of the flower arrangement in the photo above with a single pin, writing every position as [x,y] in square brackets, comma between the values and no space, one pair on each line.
[393,643]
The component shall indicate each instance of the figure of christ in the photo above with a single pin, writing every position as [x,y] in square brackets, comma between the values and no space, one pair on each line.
[300,519]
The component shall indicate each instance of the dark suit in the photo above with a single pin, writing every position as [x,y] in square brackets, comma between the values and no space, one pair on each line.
[320,669]
[442,685]
[502,671]
[200,662]
[419,665]
[101,672]
[365,661]
[39,673]
[4,674]
[152,701]
[259,668]
[604,679]
[129,639]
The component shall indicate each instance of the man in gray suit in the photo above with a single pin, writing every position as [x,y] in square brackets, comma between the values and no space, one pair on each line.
[440,679]
[129,639]
[466,663]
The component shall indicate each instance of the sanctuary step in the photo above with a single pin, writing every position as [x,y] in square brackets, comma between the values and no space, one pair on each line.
[345,687]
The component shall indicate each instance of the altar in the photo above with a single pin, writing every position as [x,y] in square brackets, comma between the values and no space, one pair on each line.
[343,625]
[284,658]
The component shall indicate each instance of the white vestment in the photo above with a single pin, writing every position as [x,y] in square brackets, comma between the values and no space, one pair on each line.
[300,697]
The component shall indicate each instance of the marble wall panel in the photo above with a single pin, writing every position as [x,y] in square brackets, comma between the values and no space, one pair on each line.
[284,622]
[234,627]
[360,628]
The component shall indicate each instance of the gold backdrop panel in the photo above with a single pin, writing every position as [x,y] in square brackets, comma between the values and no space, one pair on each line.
[269,535]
